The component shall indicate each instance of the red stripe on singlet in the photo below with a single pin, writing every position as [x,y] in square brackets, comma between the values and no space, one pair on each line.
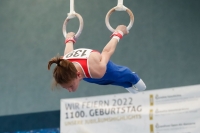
[83,63]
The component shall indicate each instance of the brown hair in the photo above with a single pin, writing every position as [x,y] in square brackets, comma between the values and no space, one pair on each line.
[64,72]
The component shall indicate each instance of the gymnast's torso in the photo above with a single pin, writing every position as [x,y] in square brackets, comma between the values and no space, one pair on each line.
[114,74]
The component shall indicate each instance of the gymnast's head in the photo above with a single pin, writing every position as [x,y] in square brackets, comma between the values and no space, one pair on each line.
[65,74]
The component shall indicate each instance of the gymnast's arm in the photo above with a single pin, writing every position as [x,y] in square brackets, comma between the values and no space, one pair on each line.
[99,63]
[70,44]
[109,49]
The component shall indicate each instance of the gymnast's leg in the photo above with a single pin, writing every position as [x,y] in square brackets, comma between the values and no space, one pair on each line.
[137,83]
[127,76]
[123,76]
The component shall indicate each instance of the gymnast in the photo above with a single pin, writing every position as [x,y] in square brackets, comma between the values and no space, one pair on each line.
[94,67]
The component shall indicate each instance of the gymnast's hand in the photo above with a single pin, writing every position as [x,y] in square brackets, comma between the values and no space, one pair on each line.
[122,28]
[70,35]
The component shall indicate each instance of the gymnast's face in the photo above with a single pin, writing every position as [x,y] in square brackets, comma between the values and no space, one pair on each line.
[73,85]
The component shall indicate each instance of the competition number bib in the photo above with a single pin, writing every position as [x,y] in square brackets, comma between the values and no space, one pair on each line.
[81,53]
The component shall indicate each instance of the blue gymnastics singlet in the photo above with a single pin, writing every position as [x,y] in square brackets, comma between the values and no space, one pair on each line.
[116,75]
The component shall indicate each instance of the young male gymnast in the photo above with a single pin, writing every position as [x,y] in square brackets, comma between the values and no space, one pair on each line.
[94,67]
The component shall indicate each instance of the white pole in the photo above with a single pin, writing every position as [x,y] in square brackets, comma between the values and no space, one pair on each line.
[71,6]
[120,2]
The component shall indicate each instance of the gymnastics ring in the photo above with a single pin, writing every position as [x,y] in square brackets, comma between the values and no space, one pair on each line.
[119,8]
[80,25]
